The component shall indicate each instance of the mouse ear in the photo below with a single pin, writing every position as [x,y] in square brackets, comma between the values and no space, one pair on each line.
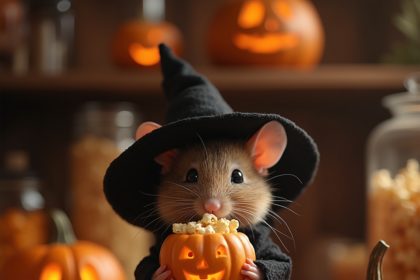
[166,159]
[267,145]
[146,128]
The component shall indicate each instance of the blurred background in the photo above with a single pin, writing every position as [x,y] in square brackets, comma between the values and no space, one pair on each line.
[77,78]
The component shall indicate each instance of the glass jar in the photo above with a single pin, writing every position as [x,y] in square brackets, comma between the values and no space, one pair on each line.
[394,183]
[52,35]
[102,132]
[23,221]
[13,37]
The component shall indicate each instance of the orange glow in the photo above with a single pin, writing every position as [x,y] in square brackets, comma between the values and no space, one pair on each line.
[143,55]
[186,253]
[154,36]
[51,272]
[88,273]
[214,276]
[282,9]
[202,264]
[221,252]
[265,44]
[252,14]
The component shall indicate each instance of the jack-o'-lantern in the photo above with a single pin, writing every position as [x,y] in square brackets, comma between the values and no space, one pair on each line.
[67,259]
[136,42]
[206,256]
[284,33]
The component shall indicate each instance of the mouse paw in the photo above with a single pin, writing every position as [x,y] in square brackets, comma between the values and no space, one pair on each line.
[251,271]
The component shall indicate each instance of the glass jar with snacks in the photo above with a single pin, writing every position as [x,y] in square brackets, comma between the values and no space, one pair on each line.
[394,183]
[102,132]
[23,221]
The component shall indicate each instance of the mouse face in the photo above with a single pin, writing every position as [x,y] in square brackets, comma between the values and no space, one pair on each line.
[218,178]
[226,178]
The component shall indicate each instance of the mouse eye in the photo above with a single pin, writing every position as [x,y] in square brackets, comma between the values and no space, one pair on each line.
[237,177]
[192,176]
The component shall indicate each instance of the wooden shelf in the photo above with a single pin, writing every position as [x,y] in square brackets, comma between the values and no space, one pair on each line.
[146,82]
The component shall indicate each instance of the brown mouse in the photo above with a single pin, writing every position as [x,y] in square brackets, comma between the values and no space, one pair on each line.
[222,177]
[225,178]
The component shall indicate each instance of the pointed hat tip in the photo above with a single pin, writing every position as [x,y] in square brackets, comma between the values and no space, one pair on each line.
[165,52]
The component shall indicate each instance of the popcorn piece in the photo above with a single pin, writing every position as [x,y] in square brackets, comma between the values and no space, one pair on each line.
[207,225]
[209,229]
[222,226]
[233,226]
[191,226]
[200,230]
[179,228]
[208,219]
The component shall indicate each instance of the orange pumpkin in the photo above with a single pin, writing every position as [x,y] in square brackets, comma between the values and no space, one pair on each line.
[66,260]
[136,42]
[206,256]
[284,33]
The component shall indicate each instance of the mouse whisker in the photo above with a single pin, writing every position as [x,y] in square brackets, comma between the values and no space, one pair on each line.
[242,217]
[185,188]
[280,220]
[273,229]
[203,144]
[286,208]
[278,237]
[159,195]
[285,174]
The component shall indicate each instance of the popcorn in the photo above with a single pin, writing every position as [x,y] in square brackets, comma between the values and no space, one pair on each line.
[179,228]
[208,224]
[208,219]
[394,217]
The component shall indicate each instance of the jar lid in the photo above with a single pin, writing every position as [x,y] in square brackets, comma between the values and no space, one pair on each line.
[19,185]
[56,5]
[16,173]
[409,100]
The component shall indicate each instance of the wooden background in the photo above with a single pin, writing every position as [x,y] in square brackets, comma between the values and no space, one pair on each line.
[338,104]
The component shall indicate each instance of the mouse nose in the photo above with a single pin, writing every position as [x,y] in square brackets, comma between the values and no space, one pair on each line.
[212,205]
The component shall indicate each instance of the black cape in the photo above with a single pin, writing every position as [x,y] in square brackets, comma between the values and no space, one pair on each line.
[272,262]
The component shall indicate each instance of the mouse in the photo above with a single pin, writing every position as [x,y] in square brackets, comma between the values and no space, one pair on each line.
[226,178]
[208,158]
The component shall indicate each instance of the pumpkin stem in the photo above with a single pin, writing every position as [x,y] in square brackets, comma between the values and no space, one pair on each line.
[375,262]
[63,227]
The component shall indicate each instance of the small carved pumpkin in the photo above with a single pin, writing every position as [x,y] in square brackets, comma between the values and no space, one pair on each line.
[214,256]
[65,260]
[136,42]
[267,32]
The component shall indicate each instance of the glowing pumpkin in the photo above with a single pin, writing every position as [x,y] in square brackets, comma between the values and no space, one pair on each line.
[206,256]
[65,260]
[267,32]
[136,43]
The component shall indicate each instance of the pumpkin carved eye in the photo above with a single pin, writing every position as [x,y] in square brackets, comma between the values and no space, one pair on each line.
[88,273]
[51,271]
[282,9]
[251,14]
[186,254]
[221,251]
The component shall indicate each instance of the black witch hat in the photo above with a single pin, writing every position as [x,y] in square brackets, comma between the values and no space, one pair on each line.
[197,108]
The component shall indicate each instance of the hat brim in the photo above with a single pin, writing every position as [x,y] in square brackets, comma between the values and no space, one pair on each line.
[131,181]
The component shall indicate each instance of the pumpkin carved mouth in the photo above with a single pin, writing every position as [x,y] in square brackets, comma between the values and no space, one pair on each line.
[265,44]
[214,276]
[142,55]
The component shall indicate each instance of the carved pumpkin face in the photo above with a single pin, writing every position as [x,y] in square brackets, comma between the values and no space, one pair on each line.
[136,43]
[266,32]
[270,39]
[209,256]
[80,261]
[67,259]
